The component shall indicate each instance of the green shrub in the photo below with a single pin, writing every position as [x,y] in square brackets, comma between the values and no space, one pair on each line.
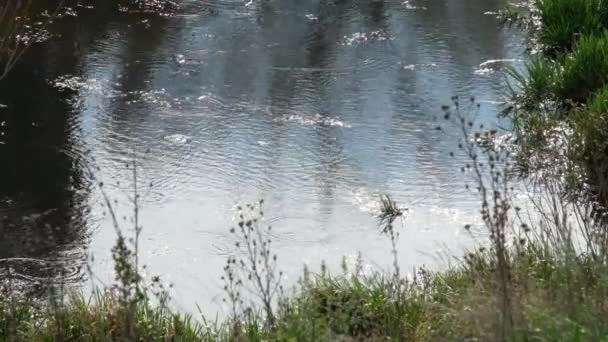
[100,318]
[585,69]
[536,84]
[563,21]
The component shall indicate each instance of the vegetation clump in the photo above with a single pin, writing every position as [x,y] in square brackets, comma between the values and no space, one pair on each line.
[562,22]
[558,99]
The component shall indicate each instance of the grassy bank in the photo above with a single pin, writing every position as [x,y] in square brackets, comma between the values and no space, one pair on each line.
[553,298]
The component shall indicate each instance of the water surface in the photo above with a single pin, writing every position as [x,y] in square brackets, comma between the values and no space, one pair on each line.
[315,106]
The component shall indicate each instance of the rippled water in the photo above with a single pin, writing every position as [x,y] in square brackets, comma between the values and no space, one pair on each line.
[315,106]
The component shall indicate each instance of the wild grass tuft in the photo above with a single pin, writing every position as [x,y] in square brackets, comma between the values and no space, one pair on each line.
[563,22]
[585,70]
[536,85]
[590,127]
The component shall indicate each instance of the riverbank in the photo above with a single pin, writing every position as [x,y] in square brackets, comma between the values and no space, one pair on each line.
[553,298]
[540,275]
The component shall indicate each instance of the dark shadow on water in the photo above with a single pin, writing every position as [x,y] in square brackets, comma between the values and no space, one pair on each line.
[42,232]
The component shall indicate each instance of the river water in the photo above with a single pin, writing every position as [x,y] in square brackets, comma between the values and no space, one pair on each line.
[315,106]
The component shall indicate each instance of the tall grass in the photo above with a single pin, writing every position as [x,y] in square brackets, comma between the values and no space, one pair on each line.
[572,78]
[535,85]
[563,22]
[591,141]
[565,249]
[558,111]
[586,69]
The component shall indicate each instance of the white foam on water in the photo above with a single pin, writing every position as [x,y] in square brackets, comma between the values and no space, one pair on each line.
[180,59]
[314,120]
[416,66]
[362,37]
[311,17]
[484,71]
[492,65]
[178,139]
[408,5]
[185,60]
[498,62]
